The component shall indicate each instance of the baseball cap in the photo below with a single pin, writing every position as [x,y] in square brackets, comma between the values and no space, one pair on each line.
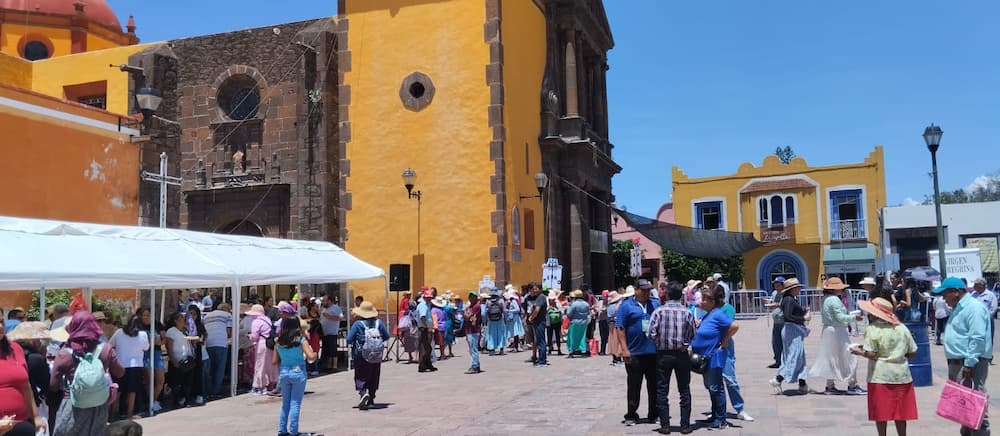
[779,279]
[949,283]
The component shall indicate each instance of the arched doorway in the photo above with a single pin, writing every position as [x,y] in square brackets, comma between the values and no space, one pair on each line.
[780,263]
[241,227]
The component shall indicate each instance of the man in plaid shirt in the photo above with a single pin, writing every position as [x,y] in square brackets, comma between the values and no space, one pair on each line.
[671,328]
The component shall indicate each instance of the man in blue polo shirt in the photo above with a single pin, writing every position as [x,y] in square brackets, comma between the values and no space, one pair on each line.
[966,341]
[633,317]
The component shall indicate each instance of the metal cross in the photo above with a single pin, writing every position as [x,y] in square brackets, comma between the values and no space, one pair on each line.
[163,179]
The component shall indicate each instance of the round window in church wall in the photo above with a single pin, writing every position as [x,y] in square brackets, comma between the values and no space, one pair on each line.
[239,97]
[417,91]
[36,50]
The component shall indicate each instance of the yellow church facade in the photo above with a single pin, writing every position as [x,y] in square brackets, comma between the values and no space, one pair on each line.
[813,220]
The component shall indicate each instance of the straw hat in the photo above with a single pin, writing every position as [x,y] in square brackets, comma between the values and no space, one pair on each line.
[576,294]
[867,281]
[555,293]
[879,308]
[59,334]
[696,283]
[29,330]
[439,301]
[614,297]
[834,283]
[629,291]
[255,310]
[792,283]
[365,310]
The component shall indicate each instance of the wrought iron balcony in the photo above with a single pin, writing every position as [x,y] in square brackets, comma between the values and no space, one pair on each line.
[848,230]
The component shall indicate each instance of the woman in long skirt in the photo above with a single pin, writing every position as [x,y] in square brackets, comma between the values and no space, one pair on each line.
[834,360]
[366,374]
[793,353]
[512,319]
[496,330]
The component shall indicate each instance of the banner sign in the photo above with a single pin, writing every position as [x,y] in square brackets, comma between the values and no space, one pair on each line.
[963,263]
[552,274]
[988,252]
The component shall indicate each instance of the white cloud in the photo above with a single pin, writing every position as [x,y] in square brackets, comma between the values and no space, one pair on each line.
[979,182]
[909,201]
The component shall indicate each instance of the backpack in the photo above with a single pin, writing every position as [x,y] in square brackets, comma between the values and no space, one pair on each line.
[270,341]
[91,386]
[494,311]
[554,316]
[373,346]
[458,325]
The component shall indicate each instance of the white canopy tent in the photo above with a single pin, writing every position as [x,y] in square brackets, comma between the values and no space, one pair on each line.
[40,254]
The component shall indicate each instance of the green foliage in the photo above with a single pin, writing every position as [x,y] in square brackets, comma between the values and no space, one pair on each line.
[120,310]
[622,252]
[682,267]
[785,154]
[52,296]
[988,192]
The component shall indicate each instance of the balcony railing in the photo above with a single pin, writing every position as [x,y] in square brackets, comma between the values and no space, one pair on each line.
[847,230]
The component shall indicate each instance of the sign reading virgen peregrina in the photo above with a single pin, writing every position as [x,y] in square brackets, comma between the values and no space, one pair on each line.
[963,263]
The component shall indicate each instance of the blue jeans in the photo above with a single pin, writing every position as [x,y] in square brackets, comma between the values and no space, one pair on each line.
[540,342]
[292,382]
[717,392]
[217,357]
[473,340]
[729,377]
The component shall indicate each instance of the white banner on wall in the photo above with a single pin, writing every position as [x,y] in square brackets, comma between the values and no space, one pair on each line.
[963,263]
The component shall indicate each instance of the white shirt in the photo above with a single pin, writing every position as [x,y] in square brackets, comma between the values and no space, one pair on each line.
[182,347]
[988,298]
[941,309]
[207,303]
[330,327]
[216,322]
[130,349]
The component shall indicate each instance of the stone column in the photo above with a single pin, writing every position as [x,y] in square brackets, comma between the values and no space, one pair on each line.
[572,96]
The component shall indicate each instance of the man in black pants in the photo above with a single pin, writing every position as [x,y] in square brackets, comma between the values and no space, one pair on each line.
[671,327]
[640,361]
[426,324]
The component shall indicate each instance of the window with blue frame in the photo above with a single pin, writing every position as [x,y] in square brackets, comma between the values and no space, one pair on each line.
[708,215]
[776,210]
[846,215]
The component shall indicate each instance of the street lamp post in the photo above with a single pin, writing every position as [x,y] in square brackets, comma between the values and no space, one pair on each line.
[932,136]
[409,177]
[542,182]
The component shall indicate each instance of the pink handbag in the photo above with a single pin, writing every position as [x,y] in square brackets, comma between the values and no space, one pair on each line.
[962,405]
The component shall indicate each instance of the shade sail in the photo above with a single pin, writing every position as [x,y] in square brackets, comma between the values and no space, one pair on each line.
[57,254]
[691,241]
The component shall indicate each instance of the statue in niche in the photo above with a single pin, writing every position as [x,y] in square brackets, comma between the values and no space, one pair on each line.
[238,163]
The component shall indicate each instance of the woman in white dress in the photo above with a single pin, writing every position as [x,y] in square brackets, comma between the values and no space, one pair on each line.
[835,360]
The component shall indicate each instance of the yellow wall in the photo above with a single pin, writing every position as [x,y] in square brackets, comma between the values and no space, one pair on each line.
[95,42]
[812,225]
[446,143]
[51,75]
[523,37]
[15,71]
[12,34]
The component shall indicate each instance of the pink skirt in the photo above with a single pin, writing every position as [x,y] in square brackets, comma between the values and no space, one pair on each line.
[265,372]
[888,402]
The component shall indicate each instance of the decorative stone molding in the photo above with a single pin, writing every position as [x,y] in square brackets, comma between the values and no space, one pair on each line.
[416,91]
[219,115]
[494,79]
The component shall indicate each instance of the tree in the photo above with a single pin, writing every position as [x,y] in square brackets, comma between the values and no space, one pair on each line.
[681,267]
[785,154]
[52,296]
[987,189]
[623,262]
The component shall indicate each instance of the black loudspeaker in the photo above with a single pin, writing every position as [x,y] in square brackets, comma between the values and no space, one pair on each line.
[399,277]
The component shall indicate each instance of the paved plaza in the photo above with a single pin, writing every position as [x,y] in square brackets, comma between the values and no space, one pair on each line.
[571,397]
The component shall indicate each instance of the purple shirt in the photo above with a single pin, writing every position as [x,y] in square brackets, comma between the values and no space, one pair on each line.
[441,316]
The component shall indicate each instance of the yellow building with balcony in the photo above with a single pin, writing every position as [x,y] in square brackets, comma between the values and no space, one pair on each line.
[813,220]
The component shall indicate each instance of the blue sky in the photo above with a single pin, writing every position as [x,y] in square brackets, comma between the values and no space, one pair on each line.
[708,85]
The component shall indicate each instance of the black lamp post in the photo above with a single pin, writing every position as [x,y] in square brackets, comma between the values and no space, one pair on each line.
[932,136]
[541,182]
[409,178]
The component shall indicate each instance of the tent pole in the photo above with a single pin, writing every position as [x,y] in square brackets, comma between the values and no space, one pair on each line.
[88,296]
[152,348]
[41,304]
[163,305]
[234,348]
[386,279]
[350,307]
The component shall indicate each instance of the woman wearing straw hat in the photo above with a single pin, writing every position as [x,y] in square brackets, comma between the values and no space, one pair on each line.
[265,373]
[888,345]
[366,373]
[19,403]
[440,324]
[834,361]
[579,317]
[614,341]
[793,351]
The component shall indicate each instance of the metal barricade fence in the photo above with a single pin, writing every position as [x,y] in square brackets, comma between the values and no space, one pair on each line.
[751,304]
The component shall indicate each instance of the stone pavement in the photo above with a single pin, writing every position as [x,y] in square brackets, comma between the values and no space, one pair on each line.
[572,396]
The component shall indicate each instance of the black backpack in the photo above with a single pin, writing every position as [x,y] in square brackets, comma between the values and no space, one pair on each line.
[494,310]
[270,341]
